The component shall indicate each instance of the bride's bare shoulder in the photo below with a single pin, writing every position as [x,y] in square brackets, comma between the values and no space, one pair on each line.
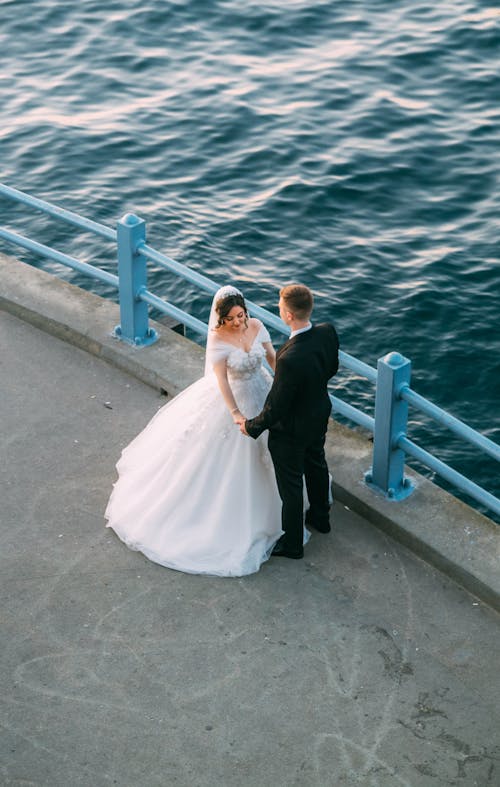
[219,338]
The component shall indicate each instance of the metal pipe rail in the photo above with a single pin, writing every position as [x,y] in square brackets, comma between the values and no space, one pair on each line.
[59,213]
[172,311]
[57,256]
[357,366]
[454,424]
[449,474]
[353,414]
[391,377]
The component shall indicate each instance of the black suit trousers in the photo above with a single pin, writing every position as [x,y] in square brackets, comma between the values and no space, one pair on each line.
[292,462]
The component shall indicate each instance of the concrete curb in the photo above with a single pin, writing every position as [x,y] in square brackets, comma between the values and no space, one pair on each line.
[436,526]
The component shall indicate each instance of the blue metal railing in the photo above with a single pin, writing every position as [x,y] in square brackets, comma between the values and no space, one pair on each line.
[392,377]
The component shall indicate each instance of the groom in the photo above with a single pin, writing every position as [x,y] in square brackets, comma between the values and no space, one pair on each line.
[296,412]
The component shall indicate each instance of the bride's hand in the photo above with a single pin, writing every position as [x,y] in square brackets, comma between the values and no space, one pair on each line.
[237,417]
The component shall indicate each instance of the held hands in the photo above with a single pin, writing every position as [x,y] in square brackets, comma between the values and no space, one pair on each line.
[239,419]
[242,427]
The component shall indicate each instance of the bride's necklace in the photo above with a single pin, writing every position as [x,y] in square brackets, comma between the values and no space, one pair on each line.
[241,336]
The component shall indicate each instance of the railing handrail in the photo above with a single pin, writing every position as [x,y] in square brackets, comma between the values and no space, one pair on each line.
[173,311]
[58,256]
[400,392]
[59,213]
[451,422]
[448,473]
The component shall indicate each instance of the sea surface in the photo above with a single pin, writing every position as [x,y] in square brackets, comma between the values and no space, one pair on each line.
[351,146]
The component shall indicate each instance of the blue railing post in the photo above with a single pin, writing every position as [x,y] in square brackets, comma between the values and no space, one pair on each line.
[391,417]
[133,328]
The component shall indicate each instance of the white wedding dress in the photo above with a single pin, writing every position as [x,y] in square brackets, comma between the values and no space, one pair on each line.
[193,493]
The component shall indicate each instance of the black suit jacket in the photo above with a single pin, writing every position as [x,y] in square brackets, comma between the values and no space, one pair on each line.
[298,404]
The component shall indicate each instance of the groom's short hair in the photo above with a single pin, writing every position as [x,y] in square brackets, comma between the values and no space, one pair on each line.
[298,299]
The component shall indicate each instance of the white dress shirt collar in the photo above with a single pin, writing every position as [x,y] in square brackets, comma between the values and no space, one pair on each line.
[301,330]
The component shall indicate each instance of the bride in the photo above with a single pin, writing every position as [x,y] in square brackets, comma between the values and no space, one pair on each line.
[193,493]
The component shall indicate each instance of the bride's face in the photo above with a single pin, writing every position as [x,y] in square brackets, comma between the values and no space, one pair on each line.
[235,319]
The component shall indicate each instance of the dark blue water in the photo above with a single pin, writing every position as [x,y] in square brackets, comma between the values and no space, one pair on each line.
[352,146]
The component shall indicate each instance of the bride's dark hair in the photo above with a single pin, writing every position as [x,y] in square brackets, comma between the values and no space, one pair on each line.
[224,306]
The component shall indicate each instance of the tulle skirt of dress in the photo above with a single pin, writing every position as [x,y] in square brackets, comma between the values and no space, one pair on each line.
[193,493]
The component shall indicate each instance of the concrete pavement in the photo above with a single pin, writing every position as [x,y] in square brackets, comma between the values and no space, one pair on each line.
[360,665]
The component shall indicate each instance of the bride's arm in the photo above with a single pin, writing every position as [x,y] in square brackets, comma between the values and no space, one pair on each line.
[266,342]
[270,354]
[220,369]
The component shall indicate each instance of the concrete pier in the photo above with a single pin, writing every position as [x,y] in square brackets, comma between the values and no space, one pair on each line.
[363,664]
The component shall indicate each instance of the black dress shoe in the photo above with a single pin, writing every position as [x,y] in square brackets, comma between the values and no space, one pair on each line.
[280,550]
[321,527]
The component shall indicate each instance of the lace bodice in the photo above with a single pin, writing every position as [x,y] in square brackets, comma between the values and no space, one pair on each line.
[249,379]
[242,365]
